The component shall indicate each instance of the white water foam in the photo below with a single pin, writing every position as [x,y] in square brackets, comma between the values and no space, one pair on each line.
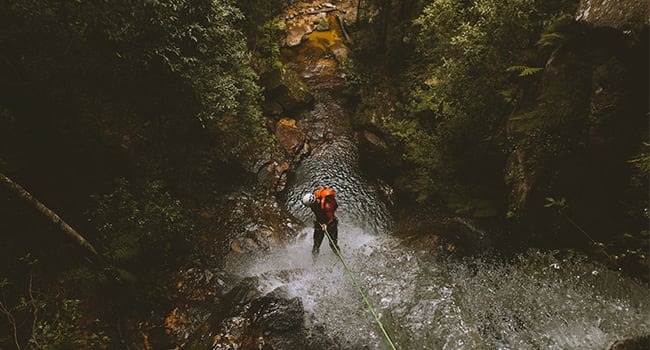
[426,302]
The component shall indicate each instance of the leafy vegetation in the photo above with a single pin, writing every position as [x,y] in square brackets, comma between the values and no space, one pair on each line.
[145,234]
[39,320]
[152,78]
[456,94]
[150,92]
[499,105]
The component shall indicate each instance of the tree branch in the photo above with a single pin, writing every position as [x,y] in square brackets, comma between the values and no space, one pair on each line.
[4,309]
[52,216]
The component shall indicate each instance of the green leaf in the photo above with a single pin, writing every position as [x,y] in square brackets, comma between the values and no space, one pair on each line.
[524,71]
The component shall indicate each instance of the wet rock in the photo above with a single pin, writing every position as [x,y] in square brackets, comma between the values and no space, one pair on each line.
[304,151]
[373,139]
[340,52]
[259,157]
[636,343]
[323,24]
[386,192]
[427,233]
[284,87]
[246,224]
[277,313]
[236,247]
[197,289]
[251,245]
[223,326]
[270,166]
[622,14]
[380,157]
[291,138]
[242,294]
[297,27]
[272,176]
[249,319]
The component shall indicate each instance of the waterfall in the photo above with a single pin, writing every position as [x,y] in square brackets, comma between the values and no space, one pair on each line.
[424,299]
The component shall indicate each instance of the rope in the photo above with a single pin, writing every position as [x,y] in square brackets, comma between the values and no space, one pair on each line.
[363,295]
[587,235]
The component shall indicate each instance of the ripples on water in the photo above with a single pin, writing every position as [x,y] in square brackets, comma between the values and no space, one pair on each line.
[334,167]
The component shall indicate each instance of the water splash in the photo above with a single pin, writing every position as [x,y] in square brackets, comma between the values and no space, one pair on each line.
[427,302]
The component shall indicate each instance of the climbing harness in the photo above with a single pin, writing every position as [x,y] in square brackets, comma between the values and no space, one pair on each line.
[363,295]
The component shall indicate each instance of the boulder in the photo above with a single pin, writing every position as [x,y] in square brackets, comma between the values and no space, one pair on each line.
[373,139]
[380,155]
[269,165]
[323,24]
[247,223]
[273,175]
[291,138]
[248,319]
[298,26]
[425,233]
[285,88]
[340,51]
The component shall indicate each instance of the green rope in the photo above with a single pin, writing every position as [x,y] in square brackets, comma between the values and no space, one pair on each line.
[356,284]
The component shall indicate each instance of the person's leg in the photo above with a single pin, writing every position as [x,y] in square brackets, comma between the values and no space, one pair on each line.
[333,230]
[318,239]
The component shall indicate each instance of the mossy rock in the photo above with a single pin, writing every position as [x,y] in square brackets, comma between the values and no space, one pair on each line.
[284,87]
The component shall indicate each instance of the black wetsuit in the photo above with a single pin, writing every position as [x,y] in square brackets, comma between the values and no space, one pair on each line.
[325,215]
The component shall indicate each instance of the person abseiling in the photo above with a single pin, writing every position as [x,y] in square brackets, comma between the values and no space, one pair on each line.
[323,204]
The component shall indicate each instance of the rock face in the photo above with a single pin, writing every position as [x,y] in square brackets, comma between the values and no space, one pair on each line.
[248,319]
[425,232]
[272,164]
[285,93]
[248,223]
[292,139]
[621,14]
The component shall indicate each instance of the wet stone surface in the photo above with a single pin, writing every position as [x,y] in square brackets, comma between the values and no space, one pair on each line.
[248,319]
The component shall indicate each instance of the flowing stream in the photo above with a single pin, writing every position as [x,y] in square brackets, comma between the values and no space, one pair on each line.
[425,300]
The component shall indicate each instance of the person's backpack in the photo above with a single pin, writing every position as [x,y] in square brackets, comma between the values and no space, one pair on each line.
[323,193]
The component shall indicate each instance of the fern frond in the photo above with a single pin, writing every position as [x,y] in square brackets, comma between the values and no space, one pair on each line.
[550,39]
[641,162]
[524,71]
